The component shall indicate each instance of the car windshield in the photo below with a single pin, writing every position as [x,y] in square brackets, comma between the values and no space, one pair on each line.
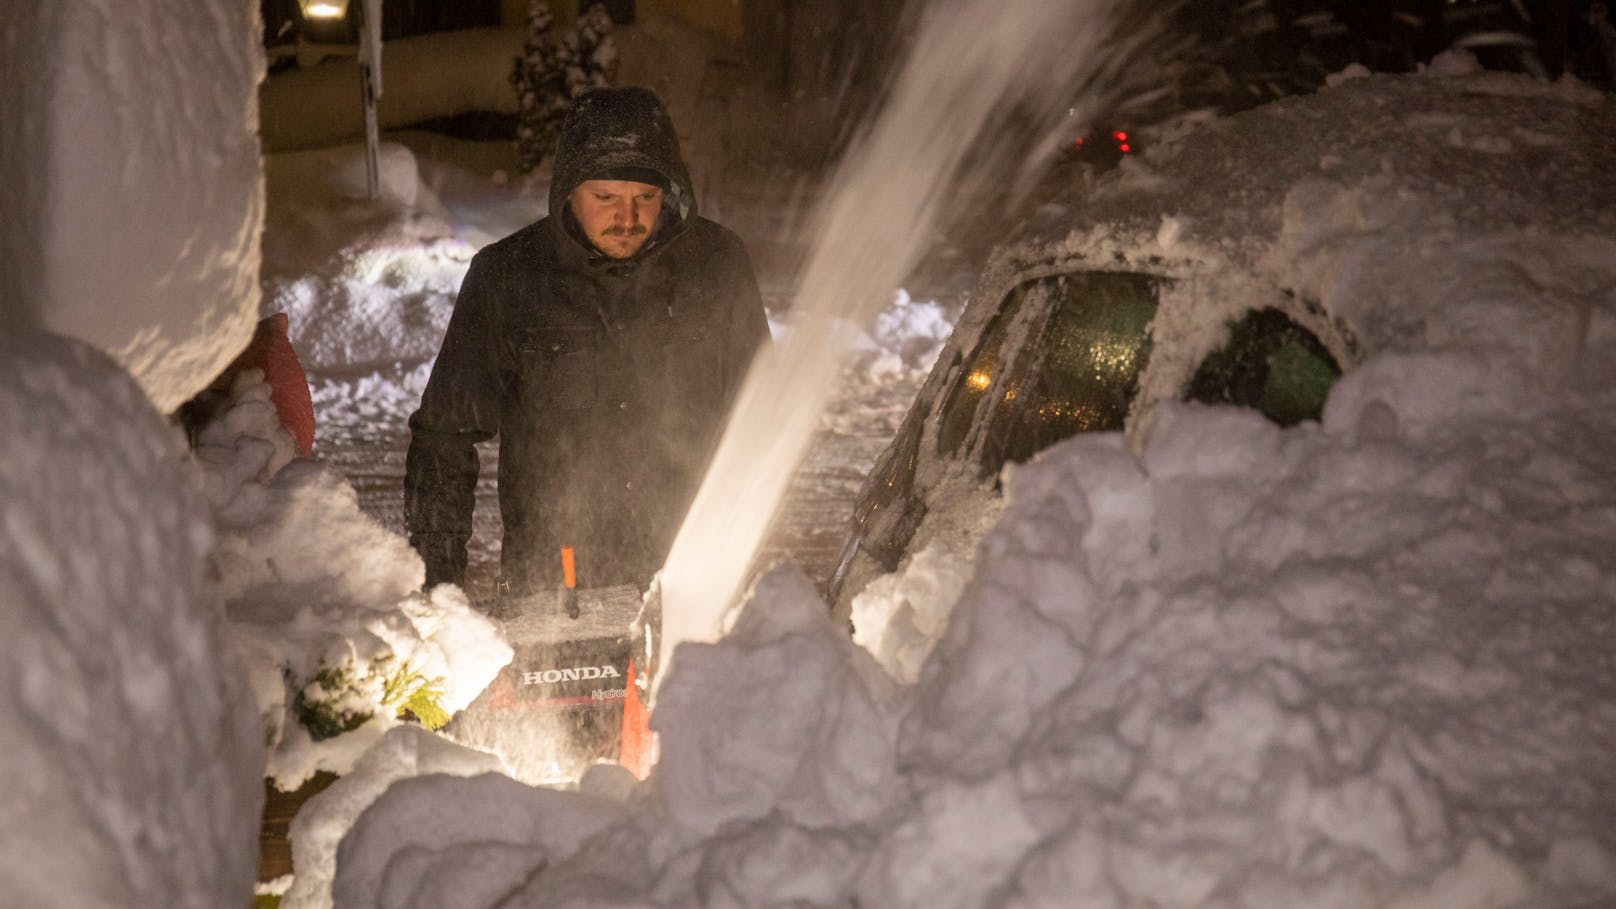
[1087,340]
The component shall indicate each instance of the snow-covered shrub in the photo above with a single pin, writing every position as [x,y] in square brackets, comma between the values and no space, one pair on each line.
[346,694]
[326,604]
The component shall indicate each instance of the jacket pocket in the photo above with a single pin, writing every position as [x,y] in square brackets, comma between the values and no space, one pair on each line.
[556,367]
[692,364]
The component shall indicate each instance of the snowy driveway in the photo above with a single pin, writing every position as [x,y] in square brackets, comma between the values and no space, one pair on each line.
[810,528]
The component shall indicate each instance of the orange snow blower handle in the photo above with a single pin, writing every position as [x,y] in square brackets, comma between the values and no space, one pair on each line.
[569,577]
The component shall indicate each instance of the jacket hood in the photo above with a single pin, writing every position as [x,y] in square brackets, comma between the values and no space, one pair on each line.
[613,132]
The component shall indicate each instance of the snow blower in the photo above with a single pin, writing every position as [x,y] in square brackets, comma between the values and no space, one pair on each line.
[574,694]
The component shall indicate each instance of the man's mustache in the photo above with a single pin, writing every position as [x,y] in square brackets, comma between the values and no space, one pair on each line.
[634,231]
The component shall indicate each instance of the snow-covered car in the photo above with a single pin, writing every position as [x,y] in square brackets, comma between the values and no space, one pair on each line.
[1246,263]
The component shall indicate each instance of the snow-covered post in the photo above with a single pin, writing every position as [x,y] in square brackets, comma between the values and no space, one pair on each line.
[370,83]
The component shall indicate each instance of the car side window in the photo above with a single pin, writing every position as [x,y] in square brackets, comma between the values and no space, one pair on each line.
[973,380]
[1076,369]
[1270,364]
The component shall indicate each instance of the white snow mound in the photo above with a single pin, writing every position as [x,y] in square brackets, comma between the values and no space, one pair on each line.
[133,763]
[134,183]
[325,602]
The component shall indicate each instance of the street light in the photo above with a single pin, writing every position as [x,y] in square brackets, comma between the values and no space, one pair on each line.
[323,9]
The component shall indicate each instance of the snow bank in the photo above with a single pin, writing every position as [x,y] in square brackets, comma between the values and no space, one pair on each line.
[367,287]
[482,852]
[133,181]
[364,284]
[133,765]
[325,603]
[1287,668]
[1255,668]
[403,752]
[904,340]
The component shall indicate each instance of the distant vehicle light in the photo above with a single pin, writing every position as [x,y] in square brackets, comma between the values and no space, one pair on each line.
[1104,145]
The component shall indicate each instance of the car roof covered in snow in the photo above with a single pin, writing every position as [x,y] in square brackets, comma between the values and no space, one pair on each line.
[1413,209]
[1491,150]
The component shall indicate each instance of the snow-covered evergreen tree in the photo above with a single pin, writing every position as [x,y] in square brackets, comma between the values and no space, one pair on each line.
[539,77]
[589,53]
[551,74]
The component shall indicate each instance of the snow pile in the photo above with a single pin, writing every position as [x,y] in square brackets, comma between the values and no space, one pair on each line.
[1316,667]
[899,617]
[133,182]
[502,831]
[133,766]
[808,725]
[1365,662]
[325,603]
[365,285]
[403,752]
[895,353]
[370,404]
[905,338]
[368,287]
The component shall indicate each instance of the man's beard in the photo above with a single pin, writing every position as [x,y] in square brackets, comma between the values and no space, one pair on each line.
[622,242]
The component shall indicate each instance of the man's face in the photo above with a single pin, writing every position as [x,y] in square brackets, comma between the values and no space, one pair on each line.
[616,215]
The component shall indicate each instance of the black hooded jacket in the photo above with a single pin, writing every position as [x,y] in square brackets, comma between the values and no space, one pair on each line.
[606,380]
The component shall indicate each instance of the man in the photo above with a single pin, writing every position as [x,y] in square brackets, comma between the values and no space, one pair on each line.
[604,345]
